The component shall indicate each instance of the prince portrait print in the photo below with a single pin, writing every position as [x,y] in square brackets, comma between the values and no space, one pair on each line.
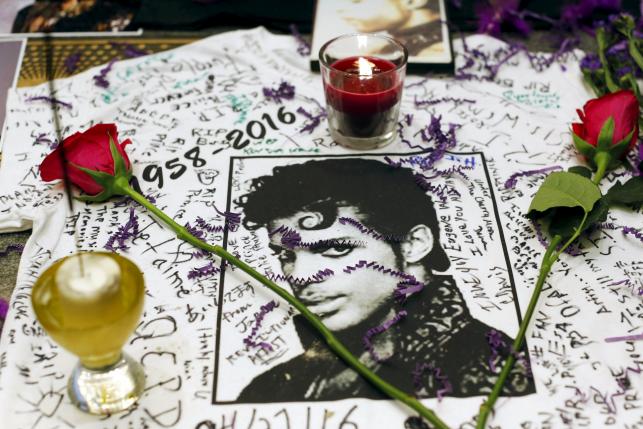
[365,214]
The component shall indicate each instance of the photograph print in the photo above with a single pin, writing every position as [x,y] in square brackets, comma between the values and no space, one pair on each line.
[420,25]
[413,280]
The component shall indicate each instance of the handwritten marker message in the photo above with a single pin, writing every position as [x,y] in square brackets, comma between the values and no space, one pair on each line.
[205,137]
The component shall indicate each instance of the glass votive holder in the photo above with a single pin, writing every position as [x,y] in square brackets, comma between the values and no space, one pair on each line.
[90,303]
[363,77]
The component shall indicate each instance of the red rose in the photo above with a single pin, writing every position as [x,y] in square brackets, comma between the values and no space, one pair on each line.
[89,150]
[621,106]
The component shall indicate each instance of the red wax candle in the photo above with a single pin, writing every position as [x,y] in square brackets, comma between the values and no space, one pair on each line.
[363,93]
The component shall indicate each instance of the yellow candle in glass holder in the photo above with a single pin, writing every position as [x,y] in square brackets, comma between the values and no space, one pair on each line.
[90,306]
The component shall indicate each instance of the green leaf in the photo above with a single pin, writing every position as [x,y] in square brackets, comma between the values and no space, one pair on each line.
[565,220]
[565,189]
[119,163]
[604,141]
[620,148]
[103,196]
[583,147]
[628,193]
[103,179]
[580,170]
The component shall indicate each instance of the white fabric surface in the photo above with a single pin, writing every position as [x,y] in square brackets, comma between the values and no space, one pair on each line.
[520,121]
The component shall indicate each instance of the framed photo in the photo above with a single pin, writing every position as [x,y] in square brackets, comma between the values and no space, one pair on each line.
[348,243]
[421,25]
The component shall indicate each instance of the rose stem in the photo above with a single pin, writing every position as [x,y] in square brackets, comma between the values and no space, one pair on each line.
[332,341]
[550,257]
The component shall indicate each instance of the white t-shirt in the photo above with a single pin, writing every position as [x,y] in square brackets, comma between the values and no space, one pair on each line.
[202,130]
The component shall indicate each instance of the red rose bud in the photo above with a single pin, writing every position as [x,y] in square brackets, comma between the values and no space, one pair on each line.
[609,124]
[90,150]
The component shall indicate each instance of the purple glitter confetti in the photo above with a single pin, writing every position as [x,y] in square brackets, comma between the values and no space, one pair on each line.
[624,338]
[285,91]
[441,191]
[194,231]
[71,62]
[494,68]
[12,248]
[51,100]
[513,179]
[263,310]
[405,289]
[312,121]
[377,267]
[206,271]
[289,237]
[367,338]
[431,134]
[628,230]
[303,47]
[522,359]
[457,101]
[497,344]
[420,83]
[124,232]
[456,170]
[101,78]
[541,62]
[389,161]
[205,226]
[628,284]
[491,62]
[302,281]
[4,308]
[443,141]
[129,50]
[232,220]
[198,254]
[437,373]
[291,240]
[369,231]
[493,16]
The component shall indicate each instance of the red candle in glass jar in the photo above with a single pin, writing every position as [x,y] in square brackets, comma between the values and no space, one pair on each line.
[364,94]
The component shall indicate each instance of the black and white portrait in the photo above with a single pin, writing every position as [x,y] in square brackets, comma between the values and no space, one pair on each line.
[364,247]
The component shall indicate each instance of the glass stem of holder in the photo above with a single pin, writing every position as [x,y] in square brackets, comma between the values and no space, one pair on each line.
[109,389]
[333,343]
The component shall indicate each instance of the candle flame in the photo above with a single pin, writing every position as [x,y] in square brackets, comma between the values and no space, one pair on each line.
[364,67]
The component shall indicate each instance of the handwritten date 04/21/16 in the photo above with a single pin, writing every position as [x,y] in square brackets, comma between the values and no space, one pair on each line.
[327,419]
[257,130]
